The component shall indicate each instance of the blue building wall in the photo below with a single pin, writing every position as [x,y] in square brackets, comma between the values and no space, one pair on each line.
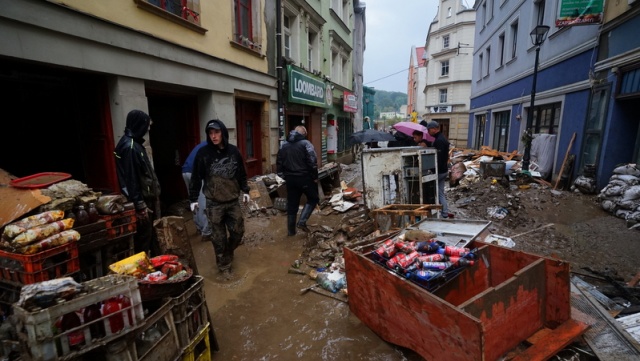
[574,106]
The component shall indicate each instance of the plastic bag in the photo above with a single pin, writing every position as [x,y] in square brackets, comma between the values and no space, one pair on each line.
[111,204]
[14,229]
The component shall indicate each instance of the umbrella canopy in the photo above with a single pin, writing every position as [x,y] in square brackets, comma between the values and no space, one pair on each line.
[408,128]
[370,135]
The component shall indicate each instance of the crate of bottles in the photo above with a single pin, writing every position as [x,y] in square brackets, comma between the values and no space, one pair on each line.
[53,263]
[94,262]
[156,339]
[71,328]
[190,312]
[120,224]
[199,349]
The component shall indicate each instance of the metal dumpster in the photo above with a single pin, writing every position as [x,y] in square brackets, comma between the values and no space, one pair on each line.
[481,314]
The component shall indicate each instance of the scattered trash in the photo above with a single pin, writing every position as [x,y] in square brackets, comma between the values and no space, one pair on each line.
[497,212]
[500,241]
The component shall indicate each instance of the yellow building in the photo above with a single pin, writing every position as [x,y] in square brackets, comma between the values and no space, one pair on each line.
[73,69]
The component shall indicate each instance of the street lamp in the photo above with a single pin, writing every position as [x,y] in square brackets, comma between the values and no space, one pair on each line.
[538,36]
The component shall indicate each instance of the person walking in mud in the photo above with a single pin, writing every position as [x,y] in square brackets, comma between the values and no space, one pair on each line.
[297,163]
[221,167]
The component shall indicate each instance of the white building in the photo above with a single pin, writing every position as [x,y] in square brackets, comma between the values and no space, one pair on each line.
[449,59]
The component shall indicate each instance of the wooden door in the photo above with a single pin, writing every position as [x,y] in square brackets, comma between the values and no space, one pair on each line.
[248,115]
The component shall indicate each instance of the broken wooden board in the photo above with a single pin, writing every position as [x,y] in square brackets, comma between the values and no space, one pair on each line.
[260,194]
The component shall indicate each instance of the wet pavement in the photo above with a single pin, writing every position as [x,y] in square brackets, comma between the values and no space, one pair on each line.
[260,314]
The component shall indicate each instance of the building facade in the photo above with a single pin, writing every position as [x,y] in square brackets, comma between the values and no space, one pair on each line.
[449,67]
[504,59]
[73,69]
[318,50]
[611,135]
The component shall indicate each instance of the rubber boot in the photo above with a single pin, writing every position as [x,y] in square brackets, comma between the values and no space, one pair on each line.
[306,213]
[291,225]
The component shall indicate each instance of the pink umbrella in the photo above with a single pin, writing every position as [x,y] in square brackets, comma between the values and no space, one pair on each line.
[408,128]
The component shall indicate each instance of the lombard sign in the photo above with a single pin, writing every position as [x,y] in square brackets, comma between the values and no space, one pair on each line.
[305,88]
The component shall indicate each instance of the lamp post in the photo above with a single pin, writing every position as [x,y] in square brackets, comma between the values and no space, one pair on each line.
[538,36]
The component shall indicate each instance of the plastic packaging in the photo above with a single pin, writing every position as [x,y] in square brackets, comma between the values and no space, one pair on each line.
[332,282]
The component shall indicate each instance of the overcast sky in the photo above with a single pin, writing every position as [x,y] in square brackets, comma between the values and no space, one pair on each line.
[393,27]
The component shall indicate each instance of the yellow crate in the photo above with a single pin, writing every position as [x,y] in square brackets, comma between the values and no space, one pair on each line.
[199,349]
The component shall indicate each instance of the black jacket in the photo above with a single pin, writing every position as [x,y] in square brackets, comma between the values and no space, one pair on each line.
[297,158]
[442,146]
[138,180]
[222,170]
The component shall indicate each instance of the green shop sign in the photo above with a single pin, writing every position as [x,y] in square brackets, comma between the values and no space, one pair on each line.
[307,89]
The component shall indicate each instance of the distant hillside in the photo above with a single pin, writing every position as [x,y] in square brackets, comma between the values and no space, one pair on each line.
[386,101]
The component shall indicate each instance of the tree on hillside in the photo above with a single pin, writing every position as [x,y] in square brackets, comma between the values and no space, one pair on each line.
[388,101]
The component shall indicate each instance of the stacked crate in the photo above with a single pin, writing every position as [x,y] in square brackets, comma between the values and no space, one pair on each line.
[108,243]
[41,341]
[191,316]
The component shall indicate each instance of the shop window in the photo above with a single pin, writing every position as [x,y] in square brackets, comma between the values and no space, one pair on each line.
[500,131]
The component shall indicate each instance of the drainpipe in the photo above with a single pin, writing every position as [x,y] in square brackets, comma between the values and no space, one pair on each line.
[279,67]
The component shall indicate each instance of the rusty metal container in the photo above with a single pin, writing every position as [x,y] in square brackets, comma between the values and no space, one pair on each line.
[481,314]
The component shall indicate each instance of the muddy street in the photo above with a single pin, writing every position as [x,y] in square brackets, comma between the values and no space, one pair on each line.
[261,313]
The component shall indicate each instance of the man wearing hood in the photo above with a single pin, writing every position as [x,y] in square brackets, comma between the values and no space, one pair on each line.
[297,163]
[221,167]
[138,180]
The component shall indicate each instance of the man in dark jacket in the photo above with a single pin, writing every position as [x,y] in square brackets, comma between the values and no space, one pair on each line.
[442,158]
[138,180]
[297,163]
[221,167]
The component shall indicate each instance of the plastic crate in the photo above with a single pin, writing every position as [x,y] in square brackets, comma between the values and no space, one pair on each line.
[157,339]
[53,263]
[190,312]
[94,260]
[120,224]
[199,349]
[40,342]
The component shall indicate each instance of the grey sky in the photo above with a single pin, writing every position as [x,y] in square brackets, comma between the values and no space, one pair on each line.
[393,27]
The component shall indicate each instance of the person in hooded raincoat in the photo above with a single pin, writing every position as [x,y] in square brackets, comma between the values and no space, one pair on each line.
[138,180]
[219,170]
[297,163]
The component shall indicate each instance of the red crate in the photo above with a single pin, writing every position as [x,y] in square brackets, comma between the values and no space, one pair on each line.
[43,266]
[120,224]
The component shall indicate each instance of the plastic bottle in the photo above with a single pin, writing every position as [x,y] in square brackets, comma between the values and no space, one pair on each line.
[124,303]
[69,321]
[91,313]
[426,275]
[460,261]
[435,265]
[71,214]
[405,260]
[427,247]
[82,216]
[116,322]
[93,213]
[436,257]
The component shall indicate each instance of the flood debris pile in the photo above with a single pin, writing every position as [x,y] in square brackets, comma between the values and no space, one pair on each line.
[621,196]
